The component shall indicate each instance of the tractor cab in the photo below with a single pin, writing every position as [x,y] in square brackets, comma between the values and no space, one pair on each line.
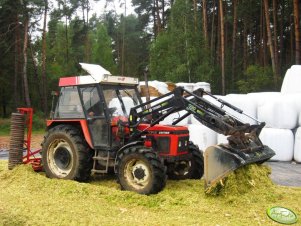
[96,106]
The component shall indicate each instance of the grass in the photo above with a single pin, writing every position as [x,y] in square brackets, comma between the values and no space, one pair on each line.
[39,125]
[29,198]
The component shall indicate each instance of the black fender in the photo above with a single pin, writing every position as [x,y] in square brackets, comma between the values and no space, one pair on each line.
[134,143]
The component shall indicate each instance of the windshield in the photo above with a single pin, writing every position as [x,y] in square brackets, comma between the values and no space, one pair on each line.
[121,98]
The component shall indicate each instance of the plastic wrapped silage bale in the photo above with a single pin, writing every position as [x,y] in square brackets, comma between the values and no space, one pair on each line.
[281,141]
[246,104]
[263,97]
[280,112]
[173,117]
[203,85]
[187,86]
[297,146]
[128,103]
[202,136]
[292,80]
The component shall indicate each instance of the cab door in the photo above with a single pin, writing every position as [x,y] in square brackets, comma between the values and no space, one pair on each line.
[94,107]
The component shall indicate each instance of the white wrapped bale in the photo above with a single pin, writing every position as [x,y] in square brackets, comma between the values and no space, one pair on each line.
[245,103]
[263,97]
[173,117]
[128,103]
[299,119]
[204,85]
[222,139]
[281,141]
[202,136]
[214,101]
[294,99]
[292,80]
[187,86]
[297,146]
[280,113]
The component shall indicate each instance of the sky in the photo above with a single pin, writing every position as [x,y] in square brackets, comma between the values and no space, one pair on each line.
[99,7]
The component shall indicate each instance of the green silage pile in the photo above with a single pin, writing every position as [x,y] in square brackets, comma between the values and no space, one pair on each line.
[29,198]
[244,180]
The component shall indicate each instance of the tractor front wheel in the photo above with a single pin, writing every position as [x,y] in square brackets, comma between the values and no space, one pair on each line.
[191,168]
[139,169]
[65,154]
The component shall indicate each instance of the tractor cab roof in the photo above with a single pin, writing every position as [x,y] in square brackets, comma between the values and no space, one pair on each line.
[97,74]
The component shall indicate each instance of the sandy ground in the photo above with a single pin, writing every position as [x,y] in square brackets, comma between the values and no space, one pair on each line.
[36,140]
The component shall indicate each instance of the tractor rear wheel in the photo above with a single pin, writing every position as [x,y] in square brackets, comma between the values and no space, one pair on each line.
[66,155]
[139,169]
[192,168]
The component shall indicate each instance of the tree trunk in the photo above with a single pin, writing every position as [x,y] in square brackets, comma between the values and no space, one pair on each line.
[35,70]
[234,41]
[25,79]
[275,34]
[158,18]
[297,30]
[44,78]
[212,41]
[270,42]
[292,41]
[205,22]
[66,32]
[245,45]
[17,62]
[282,51]
[222,46]
[195,15]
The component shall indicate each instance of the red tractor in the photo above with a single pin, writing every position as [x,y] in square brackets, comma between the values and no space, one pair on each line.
[100,125]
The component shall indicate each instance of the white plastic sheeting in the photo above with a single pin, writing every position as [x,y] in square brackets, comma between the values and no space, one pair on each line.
[173,117]
[187,86]
[128,103]
[204,85]
[297,146]
[263,97]
[292,80]
[245,103]
[280,112]
[221,139]
[202,136]
[281,141]
[162,87]
[95,70]
[194,86]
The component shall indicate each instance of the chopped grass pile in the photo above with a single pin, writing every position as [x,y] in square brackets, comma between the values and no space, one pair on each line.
[243,180]
[29,198]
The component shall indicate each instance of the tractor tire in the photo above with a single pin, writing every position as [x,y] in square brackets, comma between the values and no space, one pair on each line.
[66,154]
[139,169]
[193,168]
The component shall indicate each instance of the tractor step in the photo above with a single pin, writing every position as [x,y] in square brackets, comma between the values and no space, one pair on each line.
[94,171]
[97,158]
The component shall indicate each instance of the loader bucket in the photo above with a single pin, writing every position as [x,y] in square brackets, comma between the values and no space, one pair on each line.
[220,160]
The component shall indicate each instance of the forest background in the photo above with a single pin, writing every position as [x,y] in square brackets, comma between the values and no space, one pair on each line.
[238,46]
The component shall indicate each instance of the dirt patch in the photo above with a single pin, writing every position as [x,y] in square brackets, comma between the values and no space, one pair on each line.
[36,140]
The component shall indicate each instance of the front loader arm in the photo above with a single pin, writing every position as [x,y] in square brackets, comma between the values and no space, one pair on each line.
[194,103]
[243,147]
